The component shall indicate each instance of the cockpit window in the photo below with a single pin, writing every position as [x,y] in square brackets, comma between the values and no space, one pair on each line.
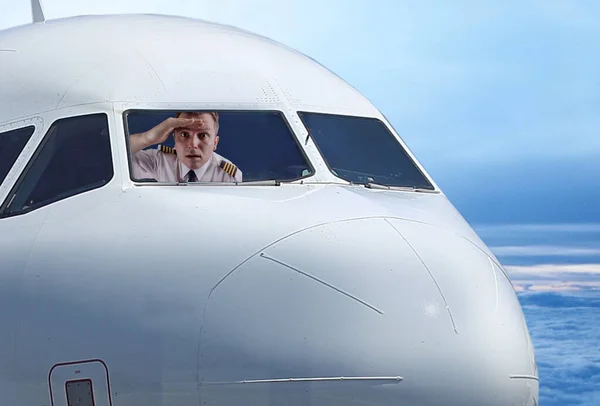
[213,146]
[74,157]
[11,144]
[363,150]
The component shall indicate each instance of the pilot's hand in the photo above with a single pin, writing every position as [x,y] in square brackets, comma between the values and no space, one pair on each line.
[161,132]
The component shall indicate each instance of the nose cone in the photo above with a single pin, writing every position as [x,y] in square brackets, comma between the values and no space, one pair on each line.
[368,310]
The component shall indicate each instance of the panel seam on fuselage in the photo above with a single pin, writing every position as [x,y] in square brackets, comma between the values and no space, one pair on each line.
[265,256]
[430,275]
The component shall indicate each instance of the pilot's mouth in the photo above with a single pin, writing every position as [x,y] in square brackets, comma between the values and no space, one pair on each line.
[193,156]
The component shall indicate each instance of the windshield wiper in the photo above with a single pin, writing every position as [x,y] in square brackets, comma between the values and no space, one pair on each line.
[373,185]
[271,182]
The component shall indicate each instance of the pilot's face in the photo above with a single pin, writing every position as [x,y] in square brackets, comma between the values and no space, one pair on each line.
[195,145]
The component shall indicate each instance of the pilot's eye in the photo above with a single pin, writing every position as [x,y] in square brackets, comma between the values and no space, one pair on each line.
[185,134]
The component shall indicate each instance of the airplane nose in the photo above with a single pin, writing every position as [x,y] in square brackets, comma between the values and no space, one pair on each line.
[382,311]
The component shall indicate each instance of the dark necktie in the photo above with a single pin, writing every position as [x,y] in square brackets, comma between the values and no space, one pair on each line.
[192,176]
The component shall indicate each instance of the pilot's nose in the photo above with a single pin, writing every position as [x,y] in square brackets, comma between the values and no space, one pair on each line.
[372,310]
[196,141]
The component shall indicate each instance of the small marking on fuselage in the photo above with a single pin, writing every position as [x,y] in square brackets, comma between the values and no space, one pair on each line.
[532,377]
[314,379]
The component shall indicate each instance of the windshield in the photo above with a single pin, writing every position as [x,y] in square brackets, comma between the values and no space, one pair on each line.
[213,146]
[363,150]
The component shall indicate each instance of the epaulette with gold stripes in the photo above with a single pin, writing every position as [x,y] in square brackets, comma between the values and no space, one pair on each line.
[228,167]
[167,150]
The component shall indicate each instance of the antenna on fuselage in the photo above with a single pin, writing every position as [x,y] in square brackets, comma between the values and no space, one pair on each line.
[37,12]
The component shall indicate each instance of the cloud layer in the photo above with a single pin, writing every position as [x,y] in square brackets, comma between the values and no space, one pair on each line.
[555,269]
[565,330]
[568,261]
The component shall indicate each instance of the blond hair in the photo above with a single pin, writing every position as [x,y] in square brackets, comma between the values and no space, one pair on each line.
[213,114]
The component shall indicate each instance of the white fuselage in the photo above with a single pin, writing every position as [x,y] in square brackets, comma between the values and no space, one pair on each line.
[218,294]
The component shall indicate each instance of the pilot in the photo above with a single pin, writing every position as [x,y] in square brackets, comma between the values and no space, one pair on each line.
[192,160]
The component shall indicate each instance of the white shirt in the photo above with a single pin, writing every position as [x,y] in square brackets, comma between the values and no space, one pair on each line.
[165,167]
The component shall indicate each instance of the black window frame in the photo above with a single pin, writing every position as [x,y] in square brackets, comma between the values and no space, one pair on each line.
[30,128]
[280,113]
[431,187]
[14,190]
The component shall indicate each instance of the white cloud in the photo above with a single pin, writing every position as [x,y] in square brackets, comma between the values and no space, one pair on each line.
[567,260]
[544,250]
[543,228]
[553,286]
[554,277]
[541,239]
[550,269]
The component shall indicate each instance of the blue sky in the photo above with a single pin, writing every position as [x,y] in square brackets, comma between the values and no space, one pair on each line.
[500,101]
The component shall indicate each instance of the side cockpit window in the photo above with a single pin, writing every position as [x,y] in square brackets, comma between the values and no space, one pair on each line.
[213,146]
[11,144]
[74,157]
[363,150]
